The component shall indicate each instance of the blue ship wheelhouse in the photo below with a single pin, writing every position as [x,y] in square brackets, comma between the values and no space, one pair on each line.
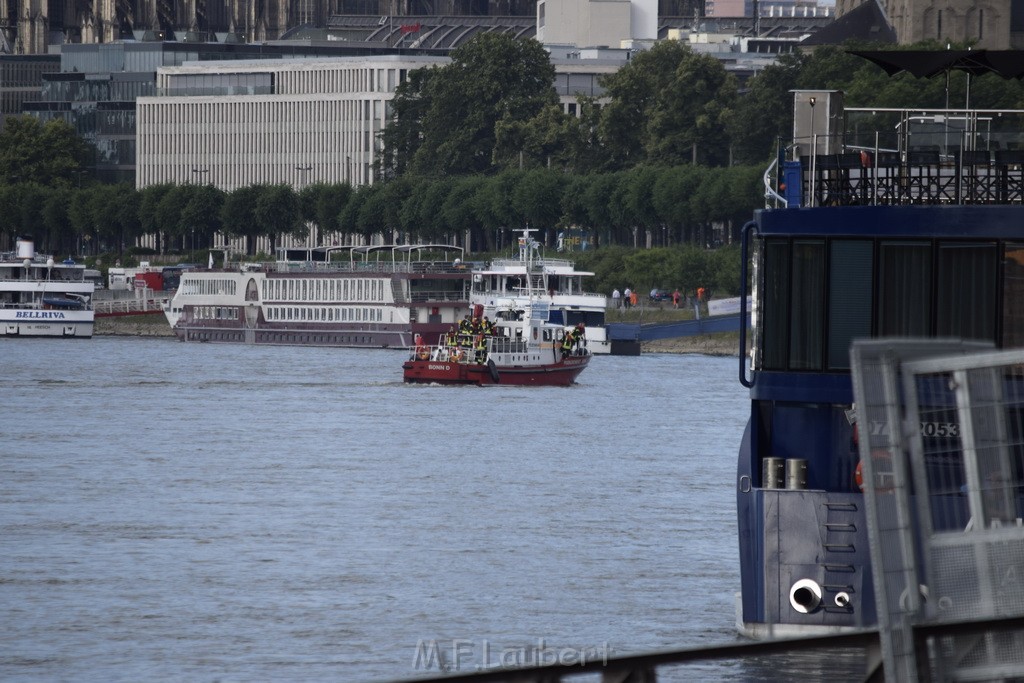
[912,233]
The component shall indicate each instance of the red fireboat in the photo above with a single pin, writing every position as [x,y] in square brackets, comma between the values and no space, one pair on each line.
[519,348]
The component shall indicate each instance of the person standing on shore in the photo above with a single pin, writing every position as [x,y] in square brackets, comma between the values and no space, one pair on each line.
[627,297]
[616,298]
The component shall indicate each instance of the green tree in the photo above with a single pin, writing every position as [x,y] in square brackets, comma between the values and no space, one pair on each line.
[671,199]
[403,135]
[104,215]
[763,116]
[597,202]
[49,154]
[546,140]
[26,200]
[537,197]
[149,210]
[238,215]
[638,194]
[169,212]
[459,212]
[278,212]
[493,78]
[63,239]
[128,201]
[201,216]
[634,90]
[322,204]
[690,114]
[497,201]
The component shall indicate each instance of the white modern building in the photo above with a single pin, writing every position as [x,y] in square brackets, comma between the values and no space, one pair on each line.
[233,124]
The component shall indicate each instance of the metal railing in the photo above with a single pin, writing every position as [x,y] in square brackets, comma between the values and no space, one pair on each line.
[419,267]
[133,306]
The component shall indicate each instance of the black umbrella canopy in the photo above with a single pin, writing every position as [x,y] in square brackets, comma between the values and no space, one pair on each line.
[928,63]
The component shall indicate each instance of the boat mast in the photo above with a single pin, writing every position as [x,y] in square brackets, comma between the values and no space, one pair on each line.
[529,252]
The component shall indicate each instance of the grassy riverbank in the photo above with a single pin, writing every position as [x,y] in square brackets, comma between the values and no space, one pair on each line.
[721,344]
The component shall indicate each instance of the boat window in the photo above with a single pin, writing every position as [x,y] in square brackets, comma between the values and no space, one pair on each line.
[850,294]
[966,293]
[808,307]
[904,289]
[776,304]
[1013,296]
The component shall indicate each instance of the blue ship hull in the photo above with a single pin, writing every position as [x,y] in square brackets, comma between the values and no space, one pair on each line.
[824,276]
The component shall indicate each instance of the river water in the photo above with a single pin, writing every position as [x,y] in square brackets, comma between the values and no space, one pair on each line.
[199,512]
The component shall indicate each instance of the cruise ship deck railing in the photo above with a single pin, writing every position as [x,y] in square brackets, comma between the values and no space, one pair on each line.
[517,263]
[424,297]
[900,156]
[506,345]
[419,267]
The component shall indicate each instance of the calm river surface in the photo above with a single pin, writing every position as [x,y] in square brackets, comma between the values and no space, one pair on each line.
[211,512]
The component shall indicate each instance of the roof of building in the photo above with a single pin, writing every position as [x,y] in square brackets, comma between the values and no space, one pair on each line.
[866,23]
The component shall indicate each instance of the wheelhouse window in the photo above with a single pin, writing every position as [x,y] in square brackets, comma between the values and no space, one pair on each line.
[1013,295]
[808,297]
[904,289]
[776,304]
[850,293]
[966,291]
[818,295]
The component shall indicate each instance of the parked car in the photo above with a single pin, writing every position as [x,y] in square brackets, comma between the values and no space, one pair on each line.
[660,295]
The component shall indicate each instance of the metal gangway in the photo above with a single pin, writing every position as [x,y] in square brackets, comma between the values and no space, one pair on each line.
[941,444]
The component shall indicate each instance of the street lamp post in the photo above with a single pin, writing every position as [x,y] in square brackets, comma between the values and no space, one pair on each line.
[311,236]
[303,170]
[201,172]
[814,155]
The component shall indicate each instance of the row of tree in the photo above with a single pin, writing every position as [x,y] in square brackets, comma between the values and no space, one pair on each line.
[641,207]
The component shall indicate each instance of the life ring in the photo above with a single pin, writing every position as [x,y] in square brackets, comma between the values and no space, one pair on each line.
[883,475]
[422,353]
[457,355]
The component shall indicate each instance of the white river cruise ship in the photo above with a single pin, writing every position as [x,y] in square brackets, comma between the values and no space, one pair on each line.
[42,298]
[363,296]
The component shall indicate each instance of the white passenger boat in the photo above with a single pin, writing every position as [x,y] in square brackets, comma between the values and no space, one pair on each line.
[363,296]
[514,283]
[42,298]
